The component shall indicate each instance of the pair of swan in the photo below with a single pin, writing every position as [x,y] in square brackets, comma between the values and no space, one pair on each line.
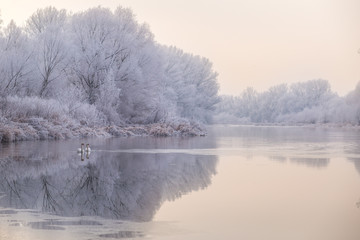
[83,149]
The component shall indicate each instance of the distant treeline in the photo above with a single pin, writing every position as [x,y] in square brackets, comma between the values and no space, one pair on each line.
[304,102]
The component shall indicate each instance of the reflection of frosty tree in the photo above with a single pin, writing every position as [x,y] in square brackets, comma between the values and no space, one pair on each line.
[312,162]
[118,185]
[354,149]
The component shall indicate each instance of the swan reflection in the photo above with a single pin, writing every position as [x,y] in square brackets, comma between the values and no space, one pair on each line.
[123,185]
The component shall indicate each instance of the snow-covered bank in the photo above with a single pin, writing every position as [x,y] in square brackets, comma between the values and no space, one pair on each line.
[303,125]
[42,129]
[33,118]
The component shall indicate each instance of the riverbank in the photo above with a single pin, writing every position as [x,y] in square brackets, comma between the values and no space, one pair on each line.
[43,129]
[345,126]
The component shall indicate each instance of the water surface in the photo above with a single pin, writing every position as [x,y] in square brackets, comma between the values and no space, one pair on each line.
[237,183]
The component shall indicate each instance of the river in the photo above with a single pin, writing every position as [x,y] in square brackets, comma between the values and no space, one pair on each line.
[239,182]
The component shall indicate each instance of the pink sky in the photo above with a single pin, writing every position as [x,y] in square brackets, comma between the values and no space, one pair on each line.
[257,43]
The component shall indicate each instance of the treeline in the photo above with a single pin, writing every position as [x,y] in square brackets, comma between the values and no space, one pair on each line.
[99,67]
[304,102]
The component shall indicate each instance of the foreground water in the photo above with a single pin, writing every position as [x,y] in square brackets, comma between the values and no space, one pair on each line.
[237,183]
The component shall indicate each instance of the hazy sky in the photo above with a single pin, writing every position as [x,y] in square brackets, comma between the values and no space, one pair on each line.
[256,43]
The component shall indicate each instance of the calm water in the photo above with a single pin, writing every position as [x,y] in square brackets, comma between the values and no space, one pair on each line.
[237,183]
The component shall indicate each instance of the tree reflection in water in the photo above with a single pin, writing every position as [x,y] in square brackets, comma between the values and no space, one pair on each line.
[128,186]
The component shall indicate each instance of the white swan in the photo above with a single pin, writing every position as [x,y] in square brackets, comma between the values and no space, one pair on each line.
[88,149]
[81,150]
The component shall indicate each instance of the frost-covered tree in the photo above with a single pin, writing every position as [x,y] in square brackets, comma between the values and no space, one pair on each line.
[249,104]
[353,100]
[192,84]
[47,29]
[112,51]
[140,76]
[46,18]
[309,94]
[14,61]
[95,49]
[272,103]
[102,67]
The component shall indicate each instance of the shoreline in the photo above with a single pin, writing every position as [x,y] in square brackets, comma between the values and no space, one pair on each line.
[35,129]
[306,125]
